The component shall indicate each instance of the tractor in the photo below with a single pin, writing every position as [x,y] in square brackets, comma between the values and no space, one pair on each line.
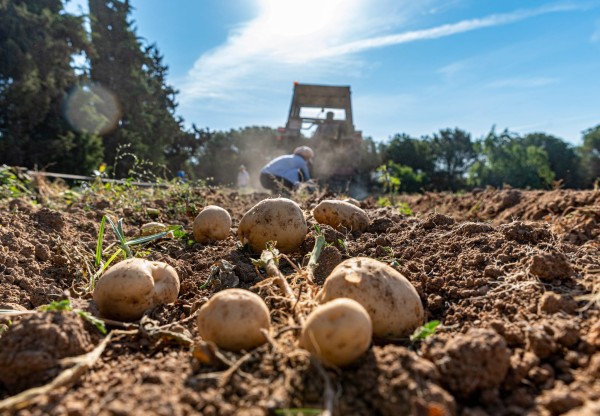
[321,117]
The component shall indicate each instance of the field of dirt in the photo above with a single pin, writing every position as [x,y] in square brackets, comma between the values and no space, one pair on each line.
[513,276]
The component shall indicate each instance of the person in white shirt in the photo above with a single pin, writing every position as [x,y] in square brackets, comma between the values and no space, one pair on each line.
[243,178]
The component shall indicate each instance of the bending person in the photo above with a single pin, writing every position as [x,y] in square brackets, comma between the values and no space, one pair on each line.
[287,170]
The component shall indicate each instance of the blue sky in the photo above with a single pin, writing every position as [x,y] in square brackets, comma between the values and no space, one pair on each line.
[414,66]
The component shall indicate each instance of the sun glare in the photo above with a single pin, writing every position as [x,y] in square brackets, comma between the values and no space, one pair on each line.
[295,18]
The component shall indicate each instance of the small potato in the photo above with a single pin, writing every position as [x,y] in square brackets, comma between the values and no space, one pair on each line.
[352,201]
[277,219]
[389,298]
[340,214]
[152,228]
[337,332]
[212,223]
[127,289]
[233,319]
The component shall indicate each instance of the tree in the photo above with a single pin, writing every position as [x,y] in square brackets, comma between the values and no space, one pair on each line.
[221,153]
[590,155]
[400,178]
[37,42]
[415,153]
[507,159]
[137,76]
[370,158]
[453,154]
[562,157]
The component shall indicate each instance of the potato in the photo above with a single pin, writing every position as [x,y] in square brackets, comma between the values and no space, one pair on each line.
[233,319]
[127,289]
[212,223]
[390,299]
[352,201]
[152,228]
[337,332]
[341,214]
[277,219]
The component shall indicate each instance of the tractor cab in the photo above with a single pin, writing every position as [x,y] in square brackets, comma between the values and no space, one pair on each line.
[320,116]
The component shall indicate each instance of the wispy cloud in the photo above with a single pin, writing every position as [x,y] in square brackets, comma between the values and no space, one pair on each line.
[288,38]
[522,82]
[443,30]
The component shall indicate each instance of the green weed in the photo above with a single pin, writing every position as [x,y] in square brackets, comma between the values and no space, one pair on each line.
[65,305]
[425,331]
[124,244]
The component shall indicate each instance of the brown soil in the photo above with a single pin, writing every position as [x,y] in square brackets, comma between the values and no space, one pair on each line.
[514,277]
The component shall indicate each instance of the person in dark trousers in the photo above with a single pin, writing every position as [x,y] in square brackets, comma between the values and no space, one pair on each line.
[287,171]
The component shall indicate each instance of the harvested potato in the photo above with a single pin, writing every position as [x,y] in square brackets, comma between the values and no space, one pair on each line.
[233,319]
[337,332]
[341,214]
[127,289]
[352,201]
[389,298]
[277,219]
[212,223]
[152,228]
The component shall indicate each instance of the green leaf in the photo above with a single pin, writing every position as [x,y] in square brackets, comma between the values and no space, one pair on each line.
[425,331]
[178,231]
[118,229]
[147,238]
[54,306]
[98,323]
[99,243]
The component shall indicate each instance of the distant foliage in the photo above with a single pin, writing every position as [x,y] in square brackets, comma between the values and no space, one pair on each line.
[590,156]
[509,159]
[73,95]
[37,41]
[136,75]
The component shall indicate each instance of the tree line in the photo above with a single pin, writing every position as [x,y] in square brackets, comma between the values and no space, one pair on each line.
[76,91]
[452,160]
[73,95]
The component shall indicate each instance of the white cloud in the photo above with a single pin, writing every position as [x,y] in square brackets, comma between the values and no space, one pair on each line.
[441,31]
[286,38]
[313,38]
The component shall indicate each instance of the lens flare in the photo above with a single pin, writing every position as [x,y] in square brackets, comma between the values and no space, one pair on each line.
[92,108]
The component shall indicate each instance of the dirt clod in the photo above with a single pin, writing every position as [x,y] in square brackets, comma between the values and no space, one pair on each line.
[471,362]
[32,348]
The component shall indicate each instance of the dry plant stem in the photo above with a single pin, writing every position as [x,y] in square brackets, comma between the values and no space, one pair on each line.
[329,393]
[270,339]
[270,265]
[11,312]
[273,271]
[298,270]
[226,376]
[65,378]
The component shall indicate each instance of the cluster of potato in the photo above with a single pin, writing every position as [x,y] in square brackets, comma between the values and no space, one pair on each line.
[130,287]
[361,298]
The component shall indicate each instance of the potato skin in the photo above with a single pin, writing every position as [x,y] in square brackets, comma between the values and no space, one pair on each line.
[127,289]
[337,332]
[390,299]
[341,214]
[212,223]
[233,319]
[277,219]
[152,228]
[352,201]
